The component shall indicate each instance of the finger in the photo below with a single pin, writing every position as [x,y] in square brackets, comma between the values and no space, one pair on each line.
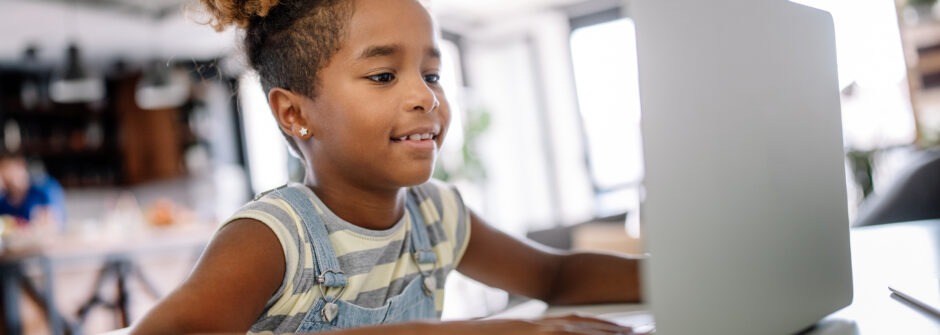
[584,325]
[587,319]
[644,329]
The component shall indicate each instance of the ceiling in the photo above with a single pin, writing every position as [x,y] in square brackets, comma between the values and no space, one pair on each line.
[137,30]
[106,30]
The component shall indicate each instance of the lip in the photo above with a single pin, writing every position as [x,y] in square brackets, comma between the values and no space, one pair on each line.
[421,144]
[434,130]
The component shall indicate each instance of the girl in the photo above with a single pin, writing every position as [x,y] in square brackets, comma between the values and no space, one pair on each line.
[364,244]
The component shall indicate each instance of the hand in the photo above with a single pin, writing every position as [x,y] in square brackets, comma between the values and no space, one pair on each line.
[575,324]
[561,325]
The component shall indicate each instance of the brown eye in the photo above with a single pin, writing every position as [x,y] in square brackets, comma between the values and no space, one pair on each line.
[382,77]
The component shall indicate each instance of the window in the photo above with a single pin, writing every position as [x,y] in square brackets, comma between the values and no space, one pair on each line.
[267,154]
[605,71]
[877,117]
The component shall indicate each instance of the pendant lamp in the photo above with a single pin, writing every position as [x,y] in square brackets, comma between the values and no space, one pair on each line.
[162,87]
[75,84]
[32,91]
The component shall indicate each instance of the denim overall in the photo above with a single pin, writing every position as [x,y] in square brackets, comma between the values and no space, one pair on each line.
[416,301]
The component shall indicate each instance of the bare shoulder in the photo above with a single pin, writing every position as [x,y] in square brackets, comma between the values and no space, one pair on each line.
[243,231]
[247,244]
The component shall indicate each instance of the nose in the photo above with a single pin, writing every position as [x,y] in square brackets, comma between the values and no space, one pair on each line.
[421,97]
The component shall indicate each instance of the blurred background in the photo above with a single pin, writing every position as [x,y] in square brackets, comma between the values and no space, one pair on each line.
[146,129]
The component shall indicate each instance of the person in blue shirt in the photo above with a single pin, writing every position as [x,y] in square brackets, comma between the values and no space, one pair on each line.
[35,202]
[29,197]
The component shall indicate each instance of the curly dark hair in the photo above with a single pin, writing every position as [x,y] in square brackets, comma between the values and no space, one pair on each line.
[287,41]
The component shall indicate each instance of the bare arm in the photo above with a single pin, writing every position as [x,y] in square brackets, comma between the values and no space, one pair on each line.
[553,276]
[566,325]
[244,265]
[226,292]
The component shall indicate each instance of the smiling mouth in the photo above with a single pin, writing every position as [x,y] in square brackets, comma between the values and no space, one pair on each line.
[416,137]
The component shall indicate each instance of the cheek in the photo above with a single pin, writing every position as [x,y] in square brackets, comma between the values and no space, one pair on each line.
[333,120]
[364,125]
[443,108]
[319,117]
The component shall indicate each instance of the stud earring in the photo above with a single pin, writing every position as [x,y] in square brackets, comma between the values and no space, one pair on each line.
[304,131]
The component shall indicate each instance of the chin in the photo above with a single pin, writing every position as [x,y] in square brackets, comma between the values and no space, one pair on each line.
[417,180]
[416,177]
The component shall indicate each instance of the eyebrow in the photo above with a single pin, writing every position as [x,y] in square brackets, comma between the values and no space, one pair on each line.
[388,50]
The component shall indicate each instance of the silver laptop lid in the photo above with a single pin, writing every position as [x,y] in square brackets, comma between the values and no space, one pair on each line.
[745,204]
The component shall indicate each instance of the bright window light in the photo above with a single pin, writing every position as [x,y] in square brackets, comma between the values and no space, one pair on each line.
[605,71]
[266,150]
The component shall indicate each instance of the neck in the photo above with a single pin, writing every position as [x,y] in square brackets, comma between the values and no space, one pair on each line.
[366,208]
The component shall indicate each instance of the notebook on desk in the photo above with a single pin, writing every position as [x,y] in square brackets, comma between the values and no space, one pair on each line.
[745,214]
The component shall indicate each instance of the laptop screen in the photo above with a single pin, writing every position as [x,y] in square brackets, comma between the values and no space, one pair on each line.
[745,208]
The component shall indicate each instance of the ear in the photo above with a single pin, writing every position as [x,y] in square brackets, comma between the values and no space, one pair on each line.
[288,112]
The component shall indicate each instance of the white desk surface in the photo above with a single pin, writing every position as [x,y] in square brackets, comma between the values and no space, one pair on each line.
[881,255]
[885,254]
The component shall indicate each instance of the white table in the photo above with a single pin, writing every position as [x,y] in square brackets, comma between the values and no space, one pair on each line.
[881,255]
[117,251]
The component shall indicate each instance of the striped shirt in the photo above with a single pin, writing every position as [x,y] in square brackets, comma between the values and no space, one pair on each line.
[378,263]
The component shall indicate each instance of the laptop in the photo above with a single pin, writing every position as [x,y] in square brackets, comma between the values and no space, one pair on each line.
[745,209]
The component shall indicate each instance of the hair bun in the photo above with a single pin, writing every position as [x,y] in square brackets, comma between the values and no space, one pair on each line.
[236,12]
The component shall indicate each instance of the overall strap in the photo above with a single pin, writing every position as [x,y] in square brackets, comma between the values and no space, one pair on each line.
[327,266]
[420,243]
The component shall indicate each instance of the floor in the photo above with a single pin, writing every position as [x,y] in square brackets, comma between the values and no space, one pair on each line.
[74,286]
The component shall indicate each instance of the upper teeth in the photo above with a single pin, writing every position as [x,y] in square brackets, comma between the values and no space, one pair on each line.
[417,137]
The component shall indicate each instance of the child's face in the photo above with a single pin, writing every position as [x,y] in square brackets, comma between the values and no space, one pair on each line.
[381,86]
